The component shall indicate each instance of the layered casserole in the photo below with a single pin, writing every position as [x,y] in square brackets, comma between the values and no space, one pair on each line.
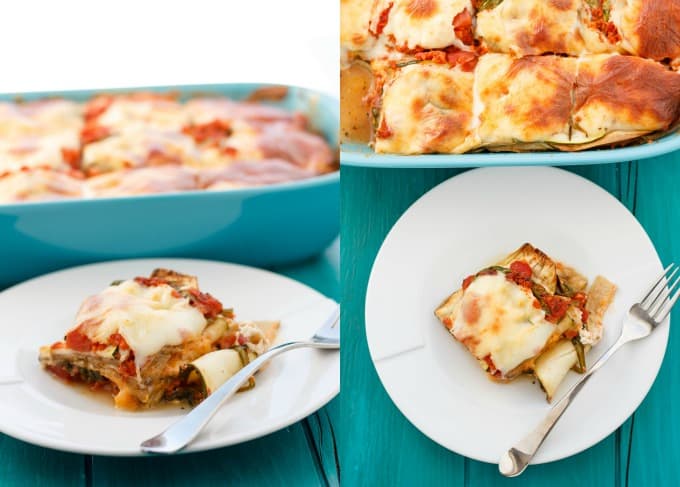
[143,142]
[155,340]
[528,314]
[428,76]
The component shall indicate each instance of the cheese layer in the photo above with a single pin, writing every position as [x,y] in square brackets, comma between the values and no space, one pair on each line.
[149,318]
[498,319]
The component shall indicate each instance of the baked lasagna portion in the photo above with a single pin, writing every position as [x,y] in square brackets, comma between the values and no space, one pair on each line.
[528,315]
[428,76]
[504,103]
[156,340]
[142,143]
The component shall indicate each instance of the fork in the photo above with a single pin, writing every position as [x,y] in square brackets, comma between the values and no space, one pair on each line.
[642,318]
[182,432]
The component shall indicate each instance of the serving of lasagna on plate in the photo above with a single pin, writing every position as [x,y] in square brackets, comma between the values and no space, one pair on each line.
[530,315]
[433,76]
[156,340]
[143,142]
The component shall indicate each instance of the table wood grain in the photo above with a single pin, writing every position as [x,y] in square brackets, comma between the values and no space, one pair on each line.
[303,454]
[378,446]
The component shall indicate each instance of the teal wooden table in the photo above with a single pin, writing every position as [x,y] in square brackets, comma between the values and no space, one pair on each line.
[303,454]
[378,446]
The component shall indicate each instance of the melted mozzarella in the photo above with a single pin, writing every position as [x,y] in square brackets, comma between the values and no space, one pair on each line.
[497,318]
[157,113]
[424,24]
[132,148]
[149,318]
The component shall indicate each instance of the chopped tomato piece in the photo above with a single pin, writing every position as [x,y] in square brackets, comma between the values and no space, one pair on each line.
[206,304]
[150,281]
[466,60]
[492,367]
[382,21]
[97,106]
[60,372]
[128,367]
[227,341]
[92,133]
[571,333]
[118,340]
[78,341]
[467,281]
[71,157]
[216,129]
[520,273]
[384,131]
[462,26]
[556,307]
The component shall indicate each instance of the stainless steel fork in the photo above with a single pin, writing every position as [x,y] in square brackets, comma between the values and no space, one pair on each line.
[182,432]
[640,321]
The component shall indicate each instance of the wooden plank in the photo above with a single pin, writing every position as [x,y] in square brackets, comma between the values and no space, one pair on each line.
[323,274]
[322,430]
[656,432]
[378,446]
[282,458]
[25,464]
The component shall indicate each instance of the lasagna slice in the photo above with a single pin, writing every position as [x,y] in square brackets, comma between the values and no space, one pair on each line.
[417,25]
[40,117]
[649,28]
[227,131]
[355,16]
[533,27]
[135,147]
[155,340]
[528,315]
[426,107]
[524,103]
[39,184]
[619,98]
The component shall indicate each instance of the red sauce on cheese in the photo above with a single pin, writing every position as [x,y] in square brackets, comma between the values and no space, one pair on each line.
[205,303]
[462,26]
[382,21]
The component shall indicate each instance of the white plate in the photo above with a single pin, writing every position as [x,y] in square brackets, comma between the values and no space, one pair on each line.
[39,409]
[469,222]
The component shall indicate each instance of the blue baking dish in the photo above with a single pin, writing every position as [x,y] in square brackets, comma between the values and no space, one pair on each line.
[362,155]
[263,226]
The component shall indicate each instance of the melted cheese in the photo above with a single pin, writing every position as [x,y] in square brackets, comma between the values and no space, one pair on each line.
[38,184]
[427,108]
[149,318]
[39,117]
[524,100]
[525,27]
[134,146]
[354,18]
[157,113]
[649,28]
[497,318]
[623,93]
[31,151]
[425,24]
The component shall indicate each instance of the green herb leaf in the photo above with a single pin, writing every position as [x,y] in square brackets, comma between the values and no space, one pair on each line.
[488,4]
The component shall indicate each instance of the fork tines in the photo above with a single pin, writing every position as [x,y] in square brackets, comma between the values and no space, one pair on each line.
[656,302]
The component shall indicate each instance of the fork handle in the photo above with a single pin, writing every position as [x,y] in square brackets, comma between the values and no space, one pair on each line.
[516,459]
[183,431]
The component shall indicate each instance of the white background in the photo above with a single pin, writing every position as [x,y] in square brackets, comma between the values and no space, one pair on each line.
[59,45]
